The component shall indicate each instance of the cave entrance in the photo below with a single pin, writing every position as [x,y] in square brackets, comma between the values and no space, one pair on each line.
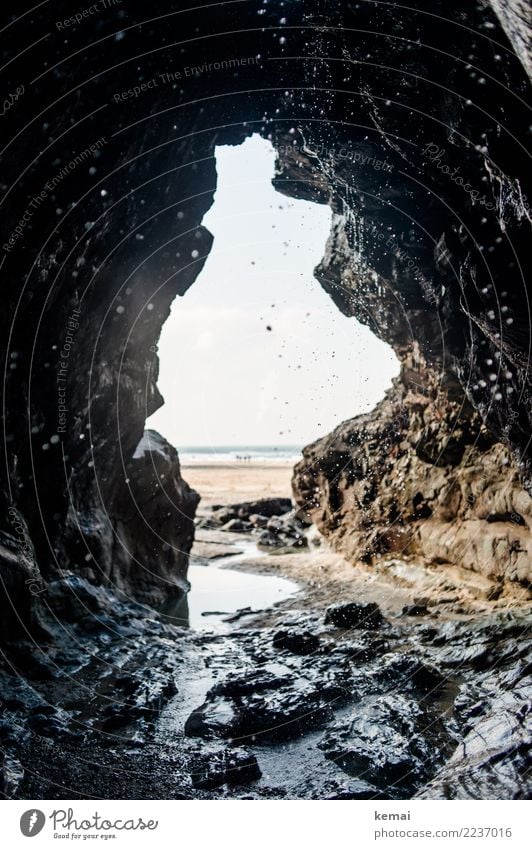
[272,364]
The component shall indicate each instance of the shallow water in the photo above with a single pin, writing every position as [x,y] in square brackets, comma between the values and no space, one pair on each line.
[217,591]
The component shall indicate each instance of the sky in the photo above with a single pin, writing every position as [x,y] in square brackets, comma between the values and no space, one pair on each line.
[256,347]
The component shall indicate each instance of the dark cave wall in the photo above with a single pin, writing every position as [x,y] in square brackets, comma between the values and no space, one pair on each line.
[374,117]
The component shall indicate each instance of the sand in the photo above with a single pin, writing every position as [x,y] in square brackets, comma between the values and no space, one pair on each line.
[230,483]
[324,576]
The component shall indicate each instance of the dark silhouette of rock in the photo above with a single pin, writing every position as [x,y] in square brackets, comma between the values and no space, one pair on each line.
[355,615]
[298,642]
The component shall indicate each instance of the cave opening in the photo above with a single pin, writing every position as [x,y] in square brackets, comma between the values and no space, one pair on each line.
[272,363]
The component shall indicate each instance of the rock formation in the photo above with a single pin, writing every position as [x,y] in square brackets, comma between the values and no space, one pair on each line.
[420,153]
[420,477]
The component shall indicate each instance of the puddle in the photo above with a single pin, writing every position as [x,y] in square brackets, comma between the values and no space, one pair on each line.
[217,592]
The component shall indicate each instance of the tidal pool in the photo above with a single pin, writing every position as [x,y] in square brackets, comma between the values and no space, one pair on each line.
[217,592]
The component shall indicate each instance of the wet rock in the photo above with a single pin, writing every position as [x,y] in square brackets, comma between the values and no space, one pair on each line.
[141,695]
[231,766]
[268,540]
[354,789]
[206,523]
[12,733]
[264,707]
[264,507]
[493,760]
[21,582]
[73,598]
[361,650]
[17,693]
[282,532]
[355,615]
[278,541]
[238,526]
[11,774]
[415,610]
[406,672]
[222,516]
[492,642]
[297,642]
[258,521]
[386,741]
[32,661]
[56,727]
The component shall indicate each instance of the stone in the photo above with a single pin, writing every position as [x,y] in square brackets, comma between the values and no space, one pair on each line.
[355,789]
[366,615]
[231,766]
[385,742]
[493,760]
[283,532]
[73,598]
[297,642]
[11,775]
[415,610]
[258,521]
[262,708]
[55,727]
[264,507]
[269,540]
[141,695]
[238,526]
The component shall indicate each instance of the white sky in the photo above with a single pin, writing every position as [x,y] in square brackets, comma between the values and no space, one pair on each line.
[226,379]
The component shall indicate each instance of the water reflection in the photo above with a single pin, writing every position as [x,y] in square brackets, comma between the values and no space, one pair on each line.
[218,592]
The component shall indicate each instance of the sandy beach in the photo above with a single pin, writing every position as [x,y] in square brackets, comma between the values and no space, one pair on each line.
[230,483]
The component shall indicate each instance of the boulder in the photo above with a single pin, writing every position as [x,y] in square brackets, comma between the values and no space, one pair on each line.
[264,507]
[388,741]
[365,615]
[297,642]
[264,707]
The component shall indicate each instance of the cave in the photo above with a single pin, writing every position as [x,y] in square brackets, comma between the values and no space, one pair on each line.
[271,361]
[108,173]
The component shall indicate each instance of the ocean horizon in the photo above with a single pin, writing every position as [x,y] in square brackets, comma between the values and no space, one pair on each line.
[239,453]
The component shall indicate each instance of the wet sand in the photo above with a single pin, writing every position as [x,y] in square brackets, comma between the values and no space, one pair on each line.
[326,576]
[229,483]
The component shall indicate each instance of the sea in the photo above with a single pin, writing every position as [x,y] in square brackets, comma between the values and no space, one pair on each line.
[239,454]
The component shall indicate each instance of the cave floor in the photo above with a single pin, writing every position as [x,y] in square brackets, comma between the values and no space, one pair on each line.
[426,698]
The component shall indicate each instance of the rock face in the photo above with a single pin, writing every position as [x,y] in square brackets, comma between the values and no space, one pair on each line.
[385,741]
[515,18]
[141,548]
[154,560]
[420,476]
[421,157]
